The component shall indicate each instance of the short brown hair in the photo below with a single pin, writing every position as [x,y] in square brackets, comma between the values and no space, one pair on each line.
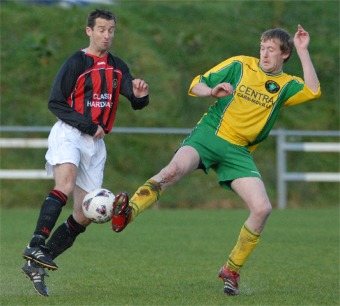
[99,13]
[286,40]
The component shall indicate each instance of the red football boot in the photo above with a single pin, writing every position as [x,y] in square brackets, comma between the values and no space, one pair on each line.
[121,212]
[230,279]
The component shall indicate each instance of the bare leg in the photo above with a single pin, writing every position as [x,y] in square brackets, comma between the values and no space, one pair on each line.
[65,177]
[253,192]
[185,161]
[78,215]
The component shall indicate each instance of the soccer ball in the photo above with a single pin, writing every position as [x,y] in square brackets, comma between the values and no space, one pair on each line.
[97,205]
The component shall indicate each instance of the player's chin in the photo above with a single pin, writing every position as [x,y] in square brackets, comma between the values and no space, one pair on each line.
[267,69]
[106,46]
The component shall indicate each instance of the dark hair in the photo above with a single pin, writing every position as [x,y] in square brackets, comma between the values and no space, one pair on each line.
[99,13]
[286,40]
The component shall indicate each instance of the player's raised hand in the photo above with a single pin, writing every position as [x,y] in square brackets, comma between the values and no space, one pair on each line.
[301,39]
[222,90]
[140,88]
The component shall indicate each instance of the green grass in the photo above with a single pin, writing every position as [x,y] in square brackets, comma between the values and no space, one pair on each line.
[171,257]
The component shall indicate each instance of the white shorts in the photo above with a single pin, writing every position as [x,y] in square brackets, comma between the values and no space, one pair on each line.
[67,144]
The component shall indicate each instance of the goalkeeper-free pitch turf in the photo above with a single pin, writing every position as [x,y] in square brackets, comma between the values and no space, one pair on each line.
[172,257]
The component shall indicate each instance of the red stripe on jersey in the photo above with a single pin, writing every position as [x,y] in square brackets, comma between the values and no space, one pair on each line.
[96,93]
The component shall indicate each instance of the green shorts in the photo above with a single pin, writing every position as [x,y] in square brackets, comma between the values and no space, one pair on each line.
[229,161]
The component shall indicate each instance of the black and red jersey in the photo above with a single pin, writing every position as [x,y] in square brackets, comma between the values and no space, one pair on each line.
[86,91]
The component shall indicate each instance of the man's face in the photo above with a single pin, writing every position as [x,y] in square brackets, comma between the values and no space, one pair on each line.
[271,56]
[102,34]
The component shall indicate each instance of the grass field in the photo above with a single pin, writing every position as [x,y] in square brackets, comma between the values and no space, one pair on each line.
[172,257]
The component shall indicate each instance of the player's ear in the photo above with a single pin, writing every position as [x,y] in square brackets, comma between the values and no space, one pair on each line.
[285,56]
[88,31]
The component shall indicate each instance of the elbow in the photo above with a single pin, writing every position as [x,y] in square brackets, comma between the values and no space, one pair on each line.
[315,87]
[317,91]
[51,105]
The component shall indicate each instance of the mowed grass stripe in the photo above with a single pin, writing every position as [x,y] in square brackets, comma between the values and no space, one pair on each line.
[172,257]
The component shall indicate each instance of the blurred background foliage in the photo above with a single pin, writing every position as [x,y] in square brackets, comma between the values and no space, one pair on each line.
[166,43]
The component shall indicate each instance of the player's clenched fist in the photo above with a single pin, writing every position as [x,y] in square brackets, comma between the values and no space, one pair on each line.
[140,88]
[222,90]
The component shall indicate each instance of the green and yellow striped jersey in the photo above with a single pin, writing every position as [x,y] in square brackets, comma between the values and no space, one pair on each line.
[246,117]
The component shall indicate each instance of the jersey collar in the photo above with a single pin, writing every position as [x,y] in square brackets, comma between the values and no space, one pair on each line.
[268,73]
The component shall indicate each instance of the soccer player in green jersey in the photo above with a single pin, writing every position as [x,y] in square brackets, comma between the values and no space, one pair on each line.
[249,94]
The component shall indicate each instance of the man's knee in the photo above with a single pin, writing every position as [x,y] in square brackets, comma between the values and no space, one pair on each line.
[263,210]
[171,172]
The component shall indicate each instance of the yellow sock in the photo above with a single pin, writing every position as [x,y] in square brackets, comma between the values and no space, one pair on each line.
[145,196]
[245,245]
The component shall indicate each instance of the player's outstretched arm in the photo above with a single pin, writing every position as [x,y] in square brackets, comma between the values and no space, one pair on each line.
[219,91]
[301,42]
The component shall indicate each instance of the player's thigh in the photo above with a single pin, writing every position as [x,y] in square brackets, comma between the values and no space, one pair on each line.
[65,177]
[187,159]
[253,193]
[184,161]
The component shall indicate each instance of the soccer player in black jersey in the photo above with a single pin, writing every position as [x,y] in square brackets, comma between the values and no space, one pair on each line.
[84,98]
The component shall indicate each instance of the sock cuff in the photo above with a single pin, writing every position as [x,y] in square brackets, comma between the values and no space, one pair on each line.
[155,186]
[58,196]
[249,231]
[232,266]
[74,225]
